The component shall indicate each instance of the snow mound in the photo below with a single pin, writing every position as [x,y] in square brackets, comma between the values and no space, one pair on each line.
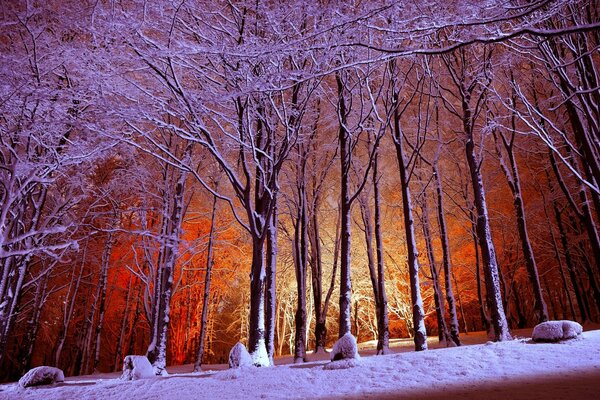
[554,331]
[137,367]
[41,376]
[345,348]
[239,357]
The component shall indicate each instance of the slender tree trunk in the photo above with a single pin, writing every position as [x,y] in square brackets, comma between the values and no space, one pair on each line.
[271,314]
[69,305]
[124,324]
[383,338]
[438,296]
[511,172]
[446,260]
[102,307]
[488,252]
[207,281]
[485,319]
[418,314]
[158,355]
[345,165]
[34,323]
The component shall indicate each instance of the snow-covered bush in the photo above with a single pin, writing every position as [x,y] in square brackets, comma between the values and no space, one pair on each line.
[239,357]
[41,376]
[136,367]
[345,348]
[554,331]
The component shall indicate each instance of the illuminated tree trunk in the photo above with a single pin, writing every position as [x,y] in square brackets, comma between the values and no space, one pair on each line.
[383,334]
[485,319]
[207,282]
[301,262]
[271,294]
[484,235]
[317,276]
[157,351]
[438,297]
[446,260]
[124,324]
[102,293]
[418,314]
[345,206]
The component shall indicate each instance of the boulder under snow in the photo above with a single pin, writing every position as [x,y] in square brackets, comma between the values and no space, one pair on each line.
[137,367]
[554,331]
[239,357]
[344,353]
[41,376]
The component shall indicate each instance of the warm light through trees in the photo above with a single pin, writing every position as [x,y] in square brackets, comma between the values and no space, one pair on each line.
[175,178]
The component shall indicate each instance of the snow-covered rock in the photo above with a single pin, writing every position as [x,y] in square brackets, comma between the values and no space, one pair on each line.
[41,376]
[554,331]
[239,357]
[344,353]
[136,367]
[345,348]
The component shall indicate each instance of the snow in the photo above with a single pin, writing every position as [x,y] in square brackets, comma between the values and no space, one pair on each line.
[41,376]
[239,357]
[553,331]
[137,367]
[513,369]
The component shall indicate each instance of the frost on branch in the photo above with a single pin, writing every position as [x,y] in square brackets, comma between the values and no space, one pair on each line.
[239,357]
[344,353]
[554,331]
[41,376]
[137,367]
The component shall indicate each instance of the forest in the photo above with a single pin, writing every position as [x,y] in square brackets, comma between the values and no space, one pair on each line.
[180,176]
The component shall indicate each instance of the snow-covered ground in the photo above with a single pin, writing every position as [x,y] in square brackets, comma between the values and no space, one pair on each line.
[519,369]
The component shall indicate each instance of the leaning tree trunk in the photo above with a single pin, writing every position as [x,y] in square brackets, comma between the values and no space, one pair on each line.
[511,173]
[418,314]
[207,281]
[484,235]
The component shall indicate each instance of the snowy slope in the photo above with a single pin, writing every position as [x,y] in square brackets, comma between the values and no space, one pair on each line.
[515,369]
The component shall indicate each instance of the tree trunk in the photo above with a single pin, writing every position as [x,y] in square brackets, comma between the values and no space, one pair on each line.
[207,281]
[418,314]
[345,205]
[438,296]
[383,338]
[271,294]
[446,260]
[511,173]
[488,252]
[102,307]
